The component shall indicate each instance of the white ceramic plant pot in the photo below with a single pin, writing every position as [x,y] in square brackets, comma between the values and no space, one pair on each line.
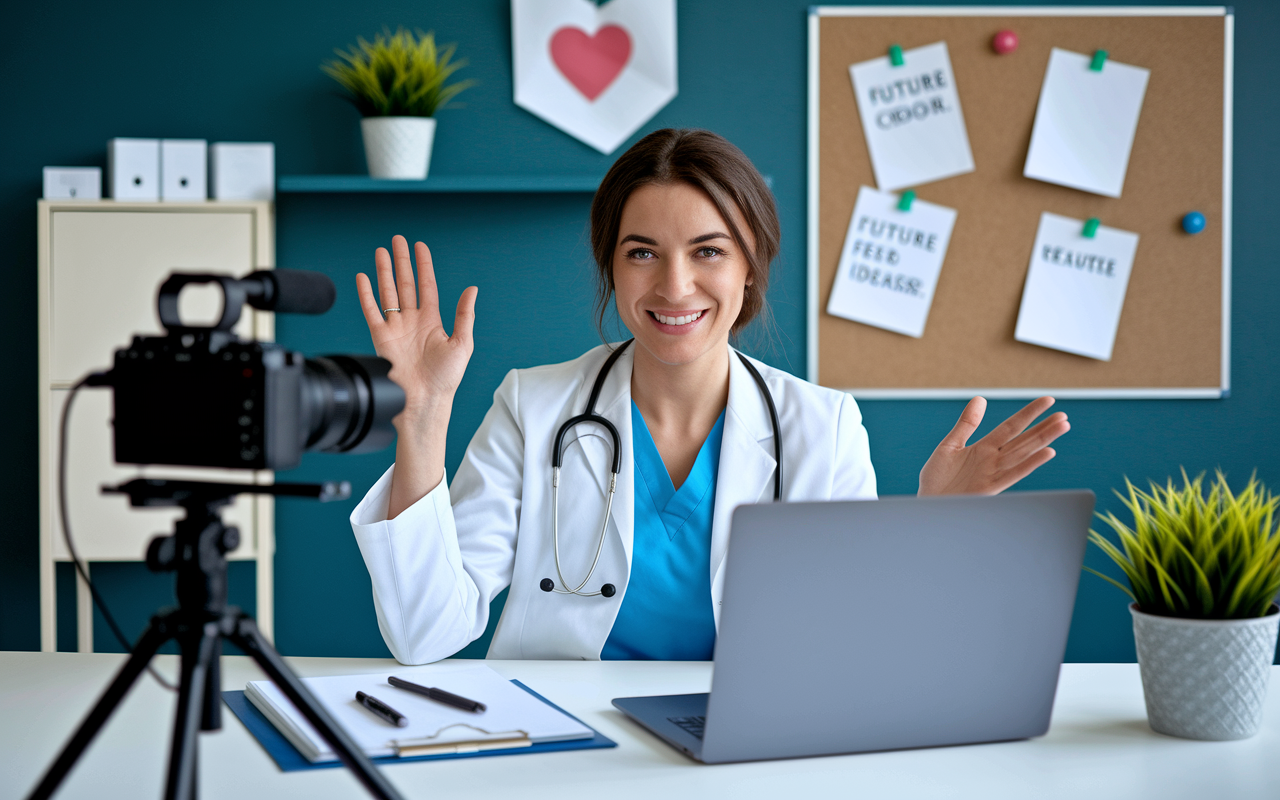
[398,147]
[1205,678]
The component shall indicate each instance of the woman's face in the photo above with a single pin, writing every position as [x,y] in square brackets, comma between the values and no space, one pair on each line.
[678,274]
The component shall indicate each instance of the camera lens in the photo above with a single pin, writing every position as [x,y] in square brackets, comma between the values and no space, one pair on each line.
[348,403]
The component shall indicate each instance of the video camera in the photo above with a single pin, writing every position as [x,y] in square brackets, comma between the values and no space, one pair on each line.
[201,396]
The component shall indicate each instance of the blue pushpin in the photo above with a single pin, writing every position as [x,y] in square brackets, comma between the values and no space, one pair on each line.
[1193,222]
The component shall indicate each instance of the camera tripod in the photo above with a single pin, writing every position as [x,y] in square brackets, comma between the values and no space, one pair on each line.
[196,551]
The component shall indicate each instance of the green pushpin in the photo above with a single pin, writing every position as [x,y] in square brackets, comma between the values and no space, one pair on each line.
[905,201]
[1099,58]
[895,55]
[1091,227]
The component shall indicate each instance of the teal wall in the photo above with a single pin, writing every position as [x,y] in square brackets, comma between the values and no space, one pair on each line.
[78,73]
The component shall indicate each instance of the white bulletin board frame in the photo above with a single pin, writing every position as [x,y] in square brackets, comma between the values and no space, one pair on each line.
[816,13]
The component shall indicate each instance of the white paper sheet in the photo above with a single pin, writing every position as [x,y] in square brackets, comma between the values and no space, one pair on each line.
[597,72]
[510,708]
[890,262]
[911,117]
[1075,287]
[1085,123]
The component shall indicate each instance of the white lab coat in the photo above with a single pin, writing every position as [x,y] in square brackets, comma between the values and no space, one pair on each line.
[437,565]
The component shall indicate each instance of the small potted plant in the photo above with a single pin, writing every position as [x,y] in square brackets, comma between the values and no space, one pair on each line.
[1203,573]
[397,82]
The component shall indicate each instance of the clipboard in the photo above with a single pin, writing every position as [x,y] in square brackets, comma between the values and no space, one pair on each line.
[288,759]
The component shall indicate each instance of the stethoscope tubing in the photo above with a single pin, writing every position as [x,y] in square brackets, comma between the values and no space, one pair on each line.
[590,416]
[773,420]
[555,537]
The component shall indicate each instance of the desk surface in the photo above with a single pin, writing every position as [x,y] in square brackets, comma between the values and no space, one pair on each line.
[1099,745]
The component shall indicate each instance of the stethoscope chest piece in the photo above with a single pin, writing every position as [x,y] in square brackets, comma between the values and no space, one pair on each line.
[608,590]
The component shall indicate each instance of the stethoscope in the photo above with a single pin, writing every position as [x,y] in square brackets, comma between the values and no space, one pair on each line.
[590,415]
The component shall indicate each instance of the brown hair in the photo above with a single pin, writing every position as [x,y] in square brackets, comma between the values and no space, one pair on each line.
[714,165]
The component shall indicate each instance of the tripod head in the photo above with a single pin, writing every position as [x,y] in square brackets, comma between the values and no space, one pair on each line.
[198,547]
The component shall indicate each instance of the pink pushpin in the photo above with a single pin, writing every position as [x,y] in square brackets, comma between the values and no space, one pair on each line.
[1004,42]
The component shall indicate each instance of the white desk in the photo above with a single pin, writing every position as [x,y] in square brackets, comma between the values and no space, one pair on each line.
[1099,745]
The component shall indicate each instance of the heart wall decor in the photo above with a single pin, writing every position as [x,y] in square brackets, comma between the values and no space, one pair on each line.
[598,73]
[591,63]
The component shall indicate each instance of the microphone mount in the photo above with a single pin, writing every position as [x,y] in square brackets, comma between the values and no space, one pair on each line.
[285,290]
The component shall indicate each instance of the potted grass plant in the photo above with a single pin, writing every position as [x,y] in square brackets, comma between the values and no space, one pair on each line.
[1203,573]
[398,82]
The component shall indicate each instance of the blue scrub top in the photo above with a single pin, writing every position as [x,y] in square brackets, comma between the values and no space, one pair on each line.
[666,614]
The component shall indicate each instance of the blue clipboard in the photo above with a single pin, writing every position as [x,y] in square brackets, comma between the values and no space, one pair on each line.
[288,759]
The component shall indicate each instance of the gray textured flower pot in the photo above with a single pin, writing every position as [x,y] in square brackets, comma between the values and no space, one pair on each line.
[1205,678]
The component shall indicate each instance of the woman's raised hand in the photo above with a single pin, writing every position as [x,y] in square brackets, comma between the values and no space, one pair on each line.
[425,361]
[998,460]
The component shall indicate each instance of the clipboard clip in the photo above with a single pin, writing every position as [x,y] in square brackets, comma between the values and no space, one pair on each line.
[487,740]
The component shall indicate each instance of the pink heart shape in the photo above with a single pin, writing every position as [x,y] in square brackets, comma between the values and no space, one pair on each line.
[591,63]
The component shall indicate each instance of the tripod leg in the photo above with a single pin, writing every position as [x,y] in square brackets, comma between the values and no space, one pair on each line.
[156,634]
[211,719]
[198,648]
[247,637]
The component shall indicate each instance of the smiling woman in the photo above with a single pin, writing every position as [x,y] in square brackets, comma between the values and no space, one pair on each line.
[684,231]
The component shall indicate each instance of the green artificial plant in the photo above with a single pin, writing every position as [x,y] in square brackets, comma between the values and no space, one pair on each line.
[397,74]
[1188,555]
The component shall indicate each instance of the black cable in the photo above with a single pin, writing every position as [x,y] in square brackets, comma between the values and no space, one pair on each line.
[92,379]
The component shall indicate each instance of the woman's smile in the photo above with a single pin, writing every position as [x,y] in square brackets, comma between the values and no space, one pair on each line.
[676,322]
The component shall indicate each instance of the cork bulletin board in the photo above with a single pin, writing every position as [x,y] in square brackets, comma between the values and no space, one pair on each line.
[1173,335]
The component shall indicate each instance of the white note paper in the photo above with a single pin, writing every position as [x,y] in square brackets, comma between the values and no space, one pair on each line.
[890,262]
[1085,123]
[1075,287]
[911,117]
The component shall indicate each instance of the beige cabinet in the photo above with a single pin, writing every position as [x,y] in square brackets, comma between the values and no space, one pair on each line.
[100,265]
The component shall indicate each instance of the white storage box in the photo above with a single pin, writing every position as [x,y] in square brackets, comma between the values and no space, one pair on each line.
[72,183]
[184,165]
[242,170]
[133,169]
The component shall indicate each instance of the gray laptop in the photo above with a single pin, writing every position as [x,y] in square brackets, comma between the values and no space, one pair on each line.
[906,622]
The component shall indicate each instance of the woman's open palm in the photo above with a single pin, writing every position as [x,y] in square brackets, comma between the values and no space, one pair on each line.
[1006,455]
[425,361]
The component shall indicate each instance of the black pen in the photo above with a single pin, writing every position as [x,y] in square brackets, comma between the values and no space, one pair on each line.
[382,710]
[440,695]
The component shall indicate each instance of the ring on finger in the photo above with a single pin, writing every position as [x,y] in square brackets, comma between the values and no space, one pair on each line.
[389,310]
